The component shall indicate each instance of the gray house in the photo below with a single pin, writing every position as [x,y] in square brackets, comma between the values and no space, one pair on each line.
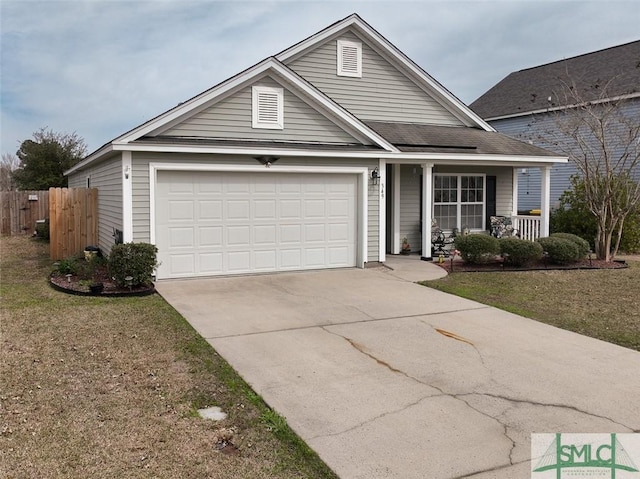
[525,105]
[325,155]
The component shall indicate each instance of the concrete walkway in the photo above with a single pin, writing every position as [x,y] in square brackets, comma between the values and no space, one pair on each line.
[362,366]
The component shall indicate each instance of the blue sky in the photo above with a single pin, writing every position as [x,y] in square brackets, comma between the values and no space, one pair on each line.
[102,67]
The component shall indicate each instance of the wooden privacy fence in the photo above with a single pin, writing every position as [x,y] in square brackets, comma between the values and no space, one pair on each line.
[73,220]
[20,210]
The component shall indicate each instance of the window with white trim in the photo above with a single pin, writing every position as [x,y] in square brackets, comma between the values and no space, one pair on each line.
[267,107]
[349,59]
[459,201]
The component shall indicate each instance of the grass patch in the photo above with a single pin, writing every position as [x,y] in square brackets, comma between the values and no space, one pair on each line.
[602,303]
[108,387]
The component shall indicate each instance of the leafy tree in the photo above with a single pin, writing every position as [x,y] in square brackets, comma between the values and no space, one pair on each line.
[45,158]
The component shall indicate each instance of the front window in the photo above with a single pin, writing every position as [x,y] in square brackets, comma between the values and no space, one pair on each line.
[458,201]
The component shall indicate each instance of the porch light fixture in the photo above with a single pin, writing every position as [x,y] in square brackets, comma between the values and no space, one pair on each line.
[375,175]
[267,161]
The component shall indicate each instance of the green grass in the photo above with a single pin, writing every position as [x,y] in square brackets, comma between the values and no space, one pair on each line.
[602,304]
[109,387]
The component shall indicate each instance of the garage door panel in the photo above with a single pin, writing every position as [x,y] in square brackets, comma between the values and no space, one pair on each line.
[290,209]
[314,233]
[210,236]
[238,236]
[211,263]
[181,237]
[290,234]
[209,210]
[239,261]
[264,235]
[182,264]
[314,208]
[181,210]
[210,223]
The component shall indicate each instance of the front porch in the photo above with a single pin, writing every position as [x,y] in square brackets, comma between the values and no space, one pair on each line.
[457,198]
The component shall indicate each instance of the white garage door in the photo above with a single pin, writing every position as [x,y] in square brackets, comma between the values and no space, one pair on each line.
[211,223]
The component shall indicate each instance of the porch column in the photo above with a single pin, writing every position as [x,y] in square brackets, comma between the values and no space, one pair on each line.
[395,232]
[427,194]
[382,211]
[545,194]
[514,193]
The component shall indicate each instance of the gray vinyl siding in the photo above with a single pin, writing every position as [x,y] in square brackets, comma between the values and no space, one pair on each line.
[410,205]
[383,93]
[106,177]
[141,192]
[231,118]
[542,130]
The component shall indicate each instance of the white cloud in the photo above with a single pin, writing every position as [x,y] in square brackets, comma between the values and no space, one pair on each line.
[102,67]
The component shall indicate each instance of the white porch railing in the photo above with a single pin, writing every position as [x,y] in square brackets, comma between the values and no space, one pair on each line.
[528,226]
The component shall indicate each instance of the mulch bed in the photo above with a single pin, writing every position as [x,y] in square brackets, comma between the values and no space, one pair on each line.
[78,286]
[460,266]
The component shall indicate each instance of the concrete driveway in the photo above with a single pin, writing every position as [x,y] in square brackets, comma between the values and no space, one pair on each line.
[361,365]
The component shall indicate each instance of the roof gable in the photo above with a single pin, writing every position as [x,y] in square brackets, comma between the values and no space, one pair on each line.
[615,70]
[285,76]
[433,91]
[230,117]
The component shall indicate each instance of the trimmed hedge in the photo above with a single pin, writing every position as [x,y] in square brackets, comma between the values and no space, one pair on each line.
[137,260]
[582,243]
[477,248]
[560,250]
[518,252]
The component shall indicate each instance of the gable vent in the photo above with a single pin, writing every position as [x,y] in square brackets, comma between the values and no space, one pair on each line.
[267,107]
[349,59]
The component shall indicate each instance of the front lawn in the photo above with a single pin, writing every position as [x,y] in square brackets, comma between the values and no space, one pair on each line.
[599,303]
[109,387]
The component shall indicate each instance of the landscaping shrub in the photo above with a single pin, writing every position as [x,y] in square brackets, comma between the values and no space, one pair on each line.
[137,260]
[42,230]
[477,248]
[518,252]
[69,265]
[630,242]
[560,250]
[583,244]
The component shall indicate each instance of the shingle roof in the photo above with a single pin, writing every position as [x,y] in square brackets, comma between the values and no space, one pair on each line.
[617,68]
[234,143]
[410,137]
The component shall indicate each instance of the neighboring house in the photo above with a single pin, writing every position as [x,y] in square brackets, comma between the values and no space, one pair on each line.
[525,105]
[325,155]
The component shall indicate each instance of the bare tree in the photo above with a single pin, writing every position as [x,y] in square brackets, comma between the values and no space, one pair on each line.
[8,165]
[602,139]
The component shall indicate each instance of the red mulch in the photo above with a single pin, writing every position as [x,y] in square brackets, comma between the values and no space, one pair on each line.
[541,265]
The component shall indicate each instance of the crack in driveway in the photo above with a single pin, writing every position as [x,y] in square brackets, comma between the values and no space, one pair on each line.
[460,397]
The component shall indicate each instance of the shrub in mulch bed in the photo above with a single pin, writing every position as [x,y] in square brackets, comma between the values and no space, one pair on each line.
[498,264]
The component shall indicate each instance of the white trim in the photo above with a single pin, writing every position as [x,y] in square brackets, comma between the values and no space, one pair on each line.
[514,192]
[545,191]
[341,45]
[459,202]
[395,233]
[362,172]
[427,208]
[382,211]
[127,197]
[414,158]
[258,92]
